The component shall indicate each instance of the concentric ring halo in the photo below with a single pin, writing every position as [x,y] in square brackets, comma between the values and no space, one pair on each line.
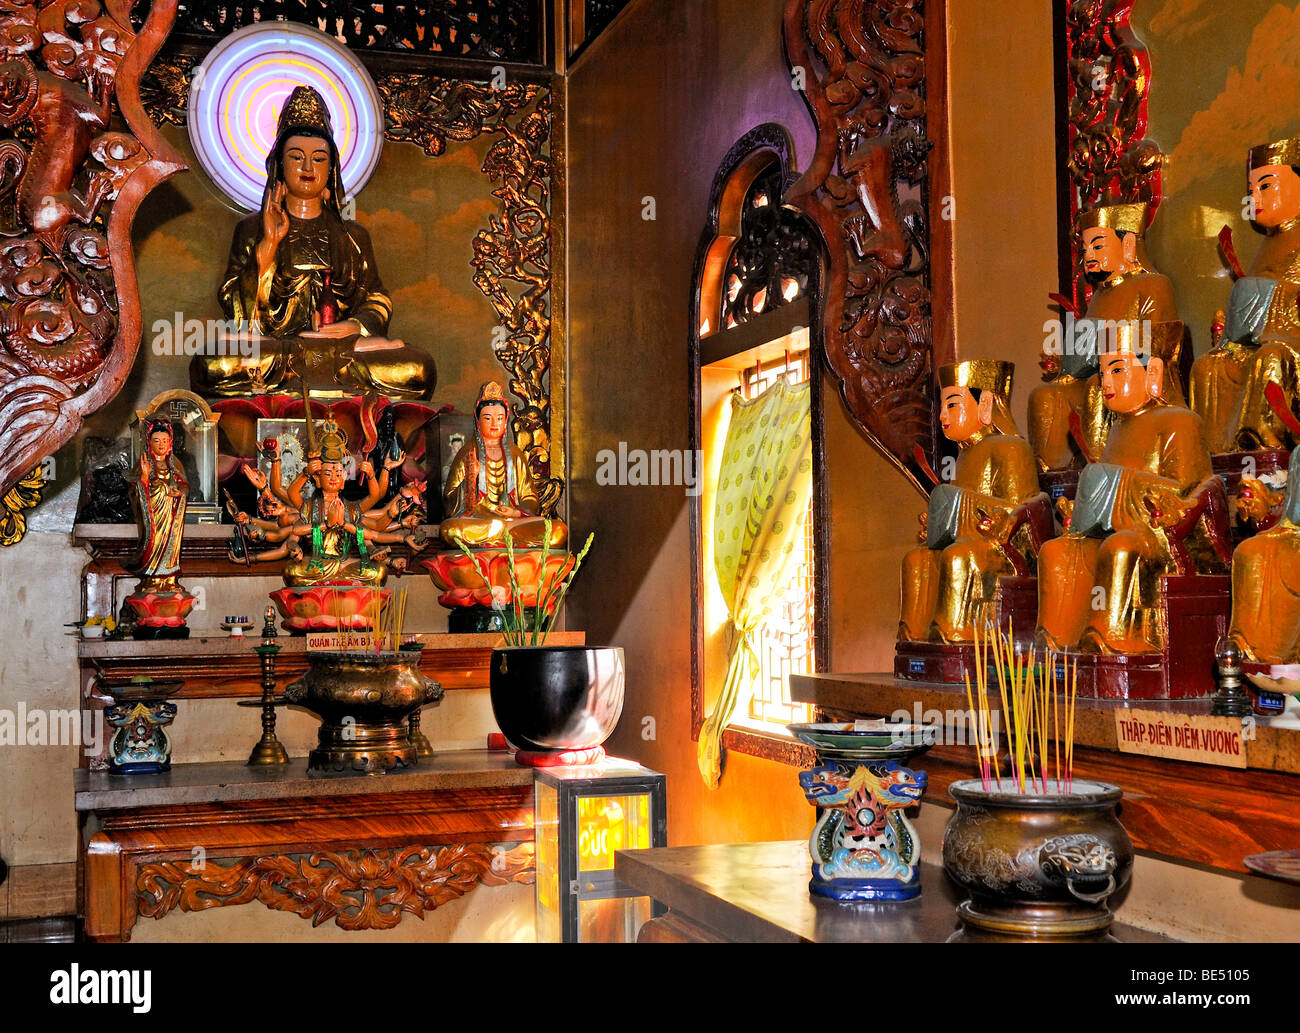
[237,92]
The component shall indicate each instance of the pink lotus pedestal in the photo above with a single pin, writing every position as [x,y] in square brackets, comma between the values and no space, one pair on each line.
[160,614]
[341,607]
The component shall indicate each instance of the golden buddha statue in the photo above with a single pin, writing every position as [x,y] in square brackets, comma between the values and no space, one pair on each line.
[1128,292]
[974,521]
[489,488]
[1266,584]
[1261,334]
[303,286]
[1138,514]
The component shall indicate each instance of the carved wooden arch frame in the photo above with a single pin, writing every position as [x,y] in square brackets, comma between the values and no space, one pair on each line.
[751,155]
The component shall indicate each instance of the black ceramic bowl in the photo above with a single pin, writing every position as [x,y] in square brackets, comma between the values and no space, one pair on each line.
[554,698]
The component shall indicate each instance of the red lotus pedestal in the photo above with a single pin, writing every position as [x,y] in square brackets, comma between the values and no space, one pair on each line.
[160,613]
[340,607]
[485,580]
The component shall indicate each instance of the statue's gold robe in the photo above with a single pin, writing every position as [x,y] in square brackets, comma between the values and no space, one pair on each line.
[284,301]
[474,503]
[1261,342]
[1139,297]
[946,590]
[1101,592]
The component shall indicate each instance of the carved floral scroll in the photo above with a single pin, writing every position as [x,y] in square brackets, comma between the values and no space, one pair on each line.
[862,69]
[69,190]
[358,889]
[512,257]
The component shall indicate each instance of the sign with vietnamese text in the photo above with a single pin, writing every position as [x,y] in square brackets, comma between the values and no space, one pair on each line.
[1198,738]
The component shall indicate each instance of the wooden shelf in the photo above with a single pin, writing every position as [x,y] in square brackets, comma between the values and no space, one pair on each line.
[1191,813]
[203,551]
[1275,747]
[226,668]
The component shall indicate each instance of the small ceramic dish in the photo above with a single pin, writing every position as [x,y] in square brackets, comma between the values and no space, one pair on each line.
[894,736]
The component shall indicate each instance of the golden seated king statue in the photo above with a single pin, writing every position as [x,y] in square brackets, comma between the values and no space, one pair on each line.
[1128,292]
[985,523]
[303,286]
[1261,337]
[1151,507]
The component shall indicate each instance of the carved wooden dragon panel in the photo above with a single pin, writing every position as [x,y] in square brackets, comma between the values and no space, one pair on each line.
[70,186]
[862,69]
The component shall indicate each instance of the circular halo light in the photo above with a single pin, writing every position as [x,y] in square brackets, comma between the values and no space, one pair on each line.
[237,92]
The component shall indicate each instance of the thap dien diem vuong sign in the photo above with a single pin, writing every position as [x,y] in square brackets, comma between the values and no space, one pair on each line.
[1198,738]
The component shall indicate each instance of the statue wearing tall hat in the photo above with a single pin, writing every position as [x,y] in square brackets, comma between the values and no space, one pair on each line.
[1127,291]
[1150,507]
[1261,334]
[980,523]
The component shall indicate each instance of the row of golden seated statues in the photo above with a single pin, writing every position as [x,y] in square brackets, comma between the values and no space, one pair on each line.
[1148,503]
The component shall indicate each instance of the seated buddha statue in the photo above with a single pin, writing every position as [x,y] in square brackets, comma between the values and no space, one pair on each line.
[1146,509]
[1266,584]
[1127,292]
[489,489]
[303,284]
[975,521]
[1261,335]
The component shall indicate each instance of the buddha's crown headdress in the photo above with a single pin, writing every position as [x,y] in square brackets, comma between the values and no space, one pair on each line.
[491,393]
[333,443]
[979,375]
[304,110]
[1122,218]
[1279,152]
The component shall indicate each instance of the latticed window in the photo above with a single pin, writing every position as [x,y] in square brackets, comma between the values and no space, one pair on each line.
[788,643]
[759,522]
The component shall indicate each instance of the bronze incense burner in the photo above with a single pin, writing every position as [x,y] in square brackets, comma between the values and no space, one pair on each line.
[365,702]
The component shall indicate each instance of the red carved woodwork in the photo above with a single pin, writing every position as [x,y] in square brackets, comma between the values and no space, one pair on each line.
[359,889]
[68,289]
[1108,84]
[364,861]
[872,75]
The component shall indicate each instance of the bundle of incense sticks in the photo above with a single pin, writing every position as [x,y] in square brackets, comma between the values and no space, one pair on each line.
[386,623]
[1031,702]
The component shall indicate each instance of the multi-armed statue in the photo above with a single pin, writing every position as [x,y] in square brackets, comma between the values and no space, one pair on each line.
[336,551]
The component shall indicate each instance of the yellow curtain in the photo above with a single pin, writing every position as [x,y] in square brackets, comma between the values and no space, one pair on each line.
[762,504]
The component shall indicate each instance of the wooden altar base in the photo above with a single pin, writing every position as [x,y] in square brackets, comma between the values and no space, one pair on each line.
[1196,613]
[951,663]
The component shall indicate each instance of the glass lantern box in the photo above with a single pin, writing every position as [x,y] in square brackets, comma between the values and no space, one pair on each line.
[582,815]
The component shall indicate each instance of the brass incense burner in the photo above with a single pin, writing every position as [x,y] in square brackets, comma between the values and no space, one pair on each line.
[366,702]
[1037,865]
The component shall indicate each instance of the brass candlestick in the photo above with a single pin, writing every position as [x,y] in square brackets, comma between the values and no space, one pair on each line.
[269,749]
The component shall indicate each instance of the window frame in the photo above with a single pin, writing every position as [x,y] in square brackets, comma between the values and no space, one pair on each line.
[749,157]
